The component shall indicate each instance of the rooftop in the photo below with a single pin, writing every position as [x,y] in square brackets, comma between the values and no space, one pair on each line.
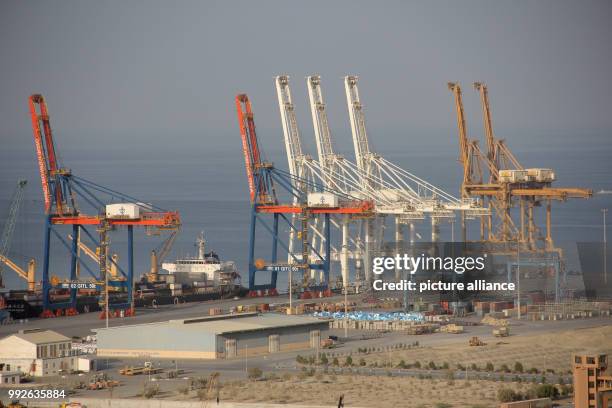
[40,336]
[231,323]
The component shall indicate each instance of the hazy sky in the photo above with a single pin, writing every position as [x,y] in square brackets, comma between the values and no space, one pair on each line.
[129,71]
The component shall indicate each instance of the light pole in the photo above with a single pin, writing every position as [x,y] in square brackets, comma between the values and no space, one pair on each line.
[604,211]
[518,278]
[290,289]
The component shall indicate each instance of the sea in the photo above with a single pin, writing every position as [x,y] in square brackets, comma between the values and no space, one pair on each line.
[203,177]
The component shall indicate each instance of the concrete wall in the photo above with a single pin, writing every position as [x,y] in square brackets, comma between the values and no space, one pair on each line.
[14,347]
[143,403]
[189,342]
[291,338]
[42,367]
[159,341]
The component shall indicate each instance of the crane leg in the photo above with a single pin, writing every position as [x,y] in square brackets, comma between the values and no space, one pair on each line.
[548,225]
[344,259]
[435,229]
[399,243]
[367,254]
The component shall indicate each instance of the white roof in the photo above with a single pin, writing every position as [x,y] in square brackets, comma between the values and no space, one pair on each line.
[38,336]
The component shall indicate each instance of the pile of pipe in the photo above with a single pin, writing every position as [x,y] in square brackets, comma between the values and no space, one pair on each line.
[373,316]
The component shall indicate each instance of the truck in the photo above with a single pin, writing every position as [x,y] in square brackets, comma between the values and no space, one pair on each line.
[146,369]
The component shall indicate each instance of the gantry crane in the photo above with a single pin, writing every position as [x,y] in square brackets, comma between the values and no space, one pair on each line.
[263,180]
[413,197]
[300,165]
[508,180]
[63,192]
[303,166]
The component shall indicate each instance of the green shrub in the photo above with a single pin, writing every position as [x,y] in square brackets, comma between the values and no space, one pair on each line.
[547,391]
[506,395]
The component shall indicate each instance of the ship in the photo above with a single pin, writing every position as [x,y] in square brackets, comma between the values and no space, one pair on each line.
[188,279]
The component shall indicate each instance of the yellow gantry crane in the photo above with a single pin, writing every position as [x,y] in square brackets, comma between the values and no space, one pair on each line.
[508,182]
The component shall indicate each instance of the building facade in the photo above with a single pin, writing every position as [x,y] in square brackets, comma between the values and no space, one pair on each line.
[38,353]
[592,381]
[213,337]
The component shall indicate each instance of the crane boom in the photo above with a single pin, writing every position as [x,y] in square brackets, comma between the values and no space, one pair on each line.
[293,144]
[325,148]
[497,152]
[48,164]
[357,119]
[461,126]
[11,221]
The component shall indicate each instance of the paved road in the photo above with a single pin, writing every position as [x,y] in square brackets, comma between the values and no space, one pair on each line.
[82,324]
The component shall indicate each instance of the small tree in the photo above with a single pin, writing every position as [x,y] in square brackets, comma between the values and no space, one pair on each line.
[362,362]
[518,367]
[547,391]
[335,361]
[417,364]
[324,359]
[506,395]
[432,365]
[349,361]
[490,366]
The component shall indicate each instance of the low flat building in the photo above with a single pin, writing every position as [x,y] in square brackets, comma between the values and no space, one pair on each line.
[212,337]
[38,352]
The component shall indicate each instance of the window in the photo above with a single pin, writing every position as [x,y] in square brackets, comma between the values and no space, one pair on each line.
[5,380]
[590,360]
[577,359]
[590,372]
[8,367]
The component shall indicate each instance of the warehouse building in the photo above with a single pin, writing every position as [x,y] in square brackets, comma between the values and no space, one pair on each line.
[212,337]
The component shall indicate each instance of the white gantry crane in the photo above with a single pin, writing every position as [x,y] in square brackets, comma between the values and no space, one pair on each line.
[433,200]
[393,190]
[304,167]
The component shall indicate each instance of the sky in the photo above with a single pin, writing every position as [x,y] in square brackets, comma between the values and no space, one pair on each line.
[158,70]
[141,93]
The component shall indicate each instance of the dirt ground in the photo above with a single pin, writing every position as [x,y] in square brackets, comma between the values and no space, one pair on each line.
[541,351]
[362,391]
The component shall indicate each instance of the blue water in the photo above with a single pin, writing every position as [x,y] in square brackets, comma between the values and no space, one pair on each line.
[204,179]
